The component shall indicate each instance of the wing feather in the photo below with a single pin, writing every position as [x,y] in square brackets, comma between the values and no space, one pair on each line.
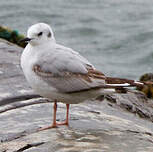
[67,70]
[70,82]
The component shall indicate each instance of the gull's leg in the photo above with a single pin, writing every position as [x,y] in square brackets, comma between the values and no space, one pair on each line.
[54,124]
[54,115]
[67,116]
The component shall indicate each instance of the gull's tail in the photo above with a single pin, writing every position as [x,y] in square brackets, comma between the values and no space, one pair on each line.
[113,82]
[121,85]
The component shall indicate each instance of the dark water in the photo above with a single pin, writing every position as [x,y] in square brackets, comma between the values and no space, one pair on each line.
[115,35]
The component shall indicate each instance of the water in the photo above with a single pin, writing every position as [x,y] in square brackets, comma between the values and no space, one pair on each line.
[115,35]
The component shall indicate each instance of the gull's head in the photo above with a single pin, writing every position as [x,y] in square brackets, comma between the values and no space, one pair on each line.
[39,33]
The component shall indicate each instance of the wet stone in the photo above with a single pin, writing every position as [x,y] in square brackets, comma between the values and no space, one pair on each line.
[120,122]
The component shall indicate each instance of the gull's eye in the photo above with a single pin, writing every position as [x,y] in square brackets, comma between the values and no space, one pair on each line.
[40,33]
[49,34]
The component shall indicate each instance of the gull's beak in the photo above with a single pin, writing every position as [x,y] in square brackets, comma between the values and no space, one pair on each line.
[25,40]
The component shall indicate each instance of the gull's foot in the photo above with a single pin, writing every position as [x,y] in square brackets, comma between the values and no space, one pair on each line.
[63,123]
[47,127]
[53,126]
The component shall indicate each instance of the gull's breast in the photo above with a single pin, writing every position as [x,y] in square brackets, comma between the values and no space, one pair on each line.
[28,58]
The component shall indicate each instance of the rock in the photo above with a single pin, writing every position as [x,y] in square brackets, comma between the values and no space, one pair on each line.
[119,122]
[148,90]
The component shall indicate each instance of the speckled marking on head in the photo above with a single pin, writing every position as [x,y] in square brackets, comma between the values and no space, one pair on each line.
[40,33]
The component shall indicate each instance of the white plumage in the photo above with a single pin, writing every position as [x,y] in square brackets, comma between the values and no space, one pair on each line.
[59,73]
[61,68]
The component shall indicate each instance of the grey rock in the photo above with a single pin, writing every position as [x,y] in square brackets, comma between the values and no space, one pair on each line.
[120,122]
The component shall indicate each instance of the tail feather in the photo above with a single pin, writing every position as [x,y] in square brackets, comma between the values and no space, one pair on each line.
[120,82]
[119,85]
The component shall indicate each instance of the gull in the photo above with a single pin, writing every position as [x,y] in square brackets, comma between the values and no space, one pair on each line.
[62,74]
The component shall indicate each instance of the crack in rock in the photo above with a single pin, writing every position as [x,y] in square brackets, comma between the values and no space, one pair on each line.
[29,146]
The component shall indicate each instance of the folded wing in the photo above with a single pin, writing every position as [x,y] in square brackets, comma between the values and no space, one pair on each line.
[68,71]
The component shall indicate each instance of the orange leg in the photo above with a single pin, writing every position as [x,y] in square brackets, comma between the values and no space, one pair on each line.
[67,116]
[54,124]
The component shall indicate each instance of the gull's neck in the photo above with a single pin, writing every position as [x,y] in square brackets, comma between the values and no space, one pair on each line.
[44,44]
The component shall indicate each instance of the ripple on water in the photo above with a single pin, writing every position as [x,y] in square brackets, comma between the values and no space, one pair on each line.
[84,31]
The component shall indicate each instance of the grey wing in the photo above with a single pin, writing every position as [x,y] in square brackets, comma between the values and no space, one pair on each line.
[66,70]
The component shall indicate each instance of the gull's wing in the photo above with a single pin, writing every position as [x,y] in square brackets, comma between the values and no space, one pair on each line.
[67,70]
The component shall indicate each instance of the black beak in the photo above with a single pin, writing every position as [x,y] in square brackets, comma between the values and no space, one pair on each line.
[25,40]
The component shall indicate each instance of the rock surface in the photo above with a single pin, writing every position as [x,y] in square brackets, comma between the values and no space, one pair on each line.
[148,90]
[121,122]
